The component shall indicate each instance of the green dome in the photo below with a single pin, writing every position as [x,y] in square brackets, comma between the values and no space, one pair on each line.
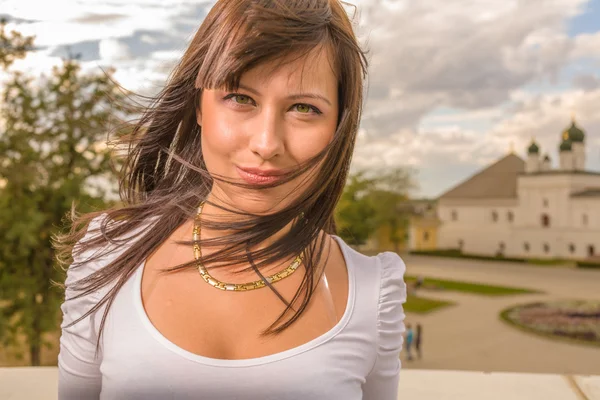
[576,135]
[533,148]
[565,145]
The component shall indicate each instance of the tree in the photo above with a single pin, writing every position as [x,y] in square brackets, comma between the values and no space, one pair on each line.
[52,132]
[373,200]
[354,213]
[13,46]
[390,199]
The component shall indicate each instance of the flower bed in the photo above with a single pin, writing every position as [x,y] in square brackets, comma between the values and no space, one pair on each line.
[574,320]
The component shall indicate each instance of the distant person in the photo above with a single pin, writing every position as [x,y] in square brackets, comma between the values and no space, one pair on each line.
[419,283]
[418,337]
[409,341]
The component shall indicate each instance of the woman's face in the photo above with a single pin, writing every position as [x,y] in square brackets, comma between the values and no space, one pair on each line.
[278,119]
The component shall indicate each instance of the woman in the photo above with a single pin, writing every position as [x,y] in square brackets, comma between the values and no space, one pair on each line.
[221,276]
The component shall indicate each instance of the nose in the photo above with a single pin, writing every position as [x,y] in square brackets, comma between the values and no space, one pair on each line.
[266,139]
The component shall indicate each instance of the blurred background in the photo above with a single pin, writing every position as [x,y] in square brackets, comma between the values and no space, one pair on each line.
[478,160]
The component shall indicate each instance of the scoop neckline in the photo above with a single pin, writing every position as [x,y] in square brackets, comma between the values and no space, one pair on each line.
[246,362]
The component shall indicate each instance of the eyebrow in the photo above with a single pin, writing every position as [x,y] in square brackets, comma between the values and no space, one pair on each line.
[295,96]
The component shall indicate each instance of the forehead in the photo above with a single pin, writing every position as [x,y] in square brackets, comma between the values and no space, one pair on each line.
[312,70]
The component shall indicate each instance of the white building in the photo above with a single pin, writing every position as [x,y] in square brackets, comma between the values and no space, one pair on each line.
[525,208]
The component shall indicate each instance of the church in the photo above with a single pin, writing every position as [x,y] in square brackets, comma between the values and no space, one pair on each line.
[524,208]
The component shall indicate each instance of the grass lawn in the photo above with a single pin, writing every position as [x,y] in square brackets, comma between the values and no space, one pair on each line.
[466,287]
[420,305]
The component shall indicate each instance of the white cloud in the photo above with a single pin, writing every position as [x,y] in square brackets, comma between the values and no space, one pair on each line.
[587,46]
[57,22]
[114,50]
[436,54]
[446,155]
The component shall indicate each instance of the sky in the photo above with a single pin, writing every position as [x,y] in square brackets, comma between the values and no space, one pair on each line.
[453,85]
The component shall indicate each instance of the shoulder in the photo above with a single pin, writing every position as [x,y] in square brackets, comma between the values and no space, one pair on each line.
[82,288]
[89,259]
[382,277]
[389,266]
[86,259]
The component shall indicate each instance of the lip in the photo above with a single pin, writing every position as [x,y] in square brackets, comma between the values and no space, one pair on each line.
[257,176]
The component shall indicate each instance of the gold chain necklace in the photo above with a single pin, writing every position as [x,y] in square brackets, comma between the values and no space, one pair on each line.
[236,287]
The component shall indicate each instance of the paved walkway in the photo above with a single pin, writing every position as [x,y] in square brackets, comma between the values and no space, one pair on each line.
[471,336]
[15,384]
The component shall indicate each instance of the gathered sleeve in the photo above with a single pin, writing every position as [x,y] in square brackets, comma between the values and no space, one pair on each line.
[382,381]
[78,368]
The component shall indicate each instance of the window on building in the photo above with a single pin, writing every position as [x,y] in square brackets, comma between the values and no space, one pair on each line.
[526,246]
[426,235]
[510,216]
[584,219]
[572,248]
[545,202]
[545,220]
[454,215]
[494,216]
[501,246]
[461,244]
[546,248]
[591,250]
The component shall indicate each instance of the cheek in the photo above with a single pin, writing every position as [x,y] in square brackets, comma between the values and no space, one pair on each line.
[307,144]
[219,138]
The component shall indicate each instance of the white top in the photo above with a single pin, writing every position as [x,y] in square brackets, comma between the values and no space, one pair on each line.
[357,359]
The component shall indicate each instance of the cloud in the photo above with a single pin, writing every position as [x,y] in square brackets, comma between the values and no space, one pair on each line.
[435,54]
[445,155]
[587,81]
[94,18]
[17,20]
[587,46]
[114,50]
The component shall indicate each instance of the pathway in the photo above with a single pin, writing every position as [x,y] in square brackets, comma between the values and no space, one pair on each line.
[470,334]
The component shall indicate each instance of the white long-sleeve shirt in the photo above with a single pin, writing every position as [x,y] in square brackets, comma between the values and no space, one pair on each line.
[357,359]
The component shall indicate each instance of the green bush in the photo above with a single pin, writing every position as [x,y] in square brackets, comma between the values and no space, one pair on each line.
[455,253]
[587,264]
[421,305]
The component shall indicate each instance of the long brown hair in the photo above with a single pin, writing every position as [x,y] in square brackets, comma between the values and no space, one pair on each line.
[164,177]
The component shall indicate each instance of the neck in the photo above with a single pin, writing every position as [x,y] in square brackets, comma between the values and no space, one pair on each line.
[212,211]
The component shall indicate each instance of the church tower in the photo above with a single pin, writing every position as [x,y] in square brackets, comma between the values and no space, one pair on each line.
[566,153]
[577,138]
[533,158]
[546,163]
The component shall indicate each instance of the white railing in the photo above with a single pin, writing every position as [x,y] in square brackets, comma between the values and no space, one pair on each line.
[31,383]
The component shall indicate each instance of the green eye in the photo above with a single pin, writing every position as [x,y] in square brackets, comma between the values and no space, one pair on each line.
[303,108]
[241,99]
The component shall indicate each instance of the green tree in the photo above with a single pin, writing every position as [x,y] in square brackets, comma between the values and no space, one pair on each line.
[372,200]
[12,46]
[354,213]
[389,196]
[52,131]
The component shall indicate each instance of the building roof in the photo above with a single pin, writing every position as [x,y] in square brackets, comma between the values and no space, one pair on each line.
[589,192]
[561,172]
[565,146]
[498,181]
[574,133]
[533,148]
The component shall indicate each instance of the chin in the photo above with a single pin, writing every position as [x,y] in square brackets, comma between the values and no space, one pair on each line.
[260,203]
